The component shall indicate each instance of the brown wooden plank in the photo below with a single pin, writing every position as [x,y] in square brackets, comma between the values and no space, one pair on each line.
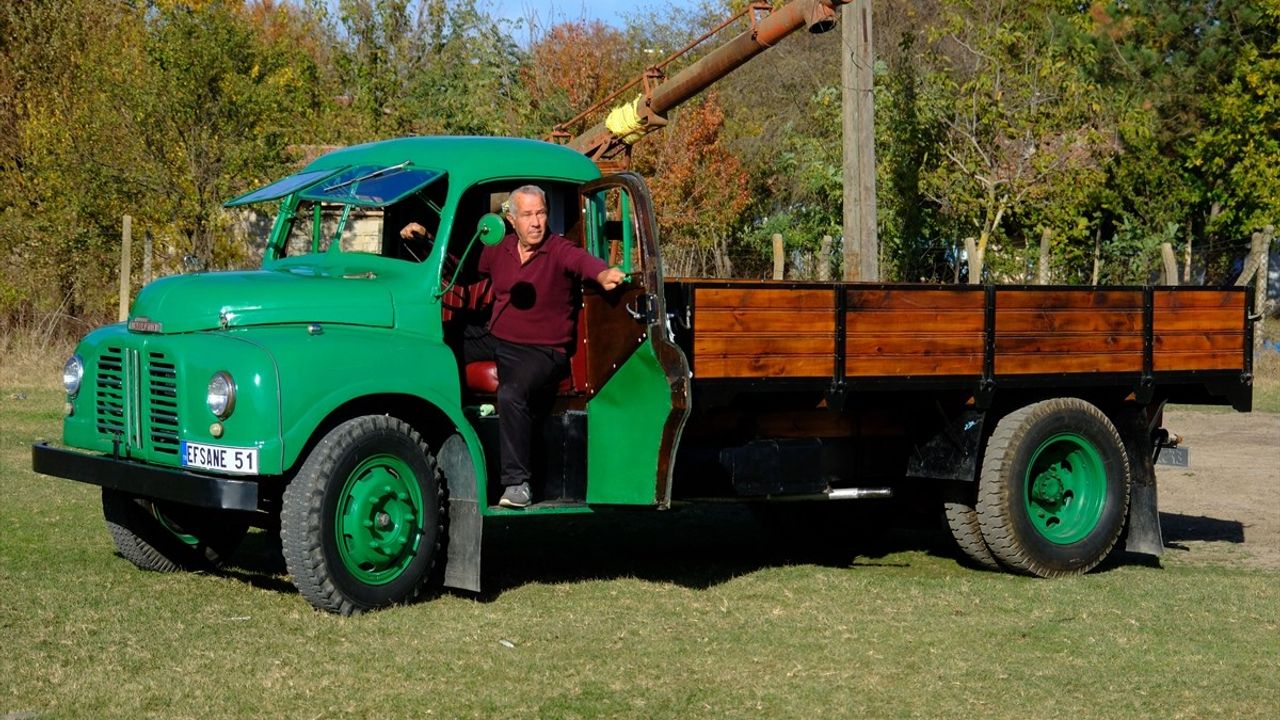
[762,366]
[903,365]
[1171,361]
[1199,318]
[956,322]
[707,320]
[764,344]
[1162,299]
[765,298]
[1054,344]
[914,343]
[1063,321]
[906,299]
[1037,363]
[1068,299]
[1199,342]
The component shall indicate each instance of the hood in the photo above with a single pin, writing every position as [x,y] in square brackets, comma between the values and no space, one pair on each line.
[299,294]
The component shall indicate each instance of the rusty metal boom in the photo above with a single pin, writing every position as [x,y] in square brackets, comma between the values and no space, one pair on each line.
[609,142]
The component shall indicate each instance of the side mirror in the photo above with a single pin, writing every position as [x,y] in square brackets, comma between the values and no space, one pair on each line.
[491,229]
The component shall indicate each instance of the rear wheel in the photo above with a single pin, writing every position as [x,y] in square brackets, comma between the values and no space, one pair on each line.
[361,524]
[962,522]
[1054,488]
[168,537]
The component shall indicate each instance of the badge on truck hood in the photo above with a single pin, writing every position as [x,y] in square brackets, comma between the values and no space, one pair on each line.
[145,325]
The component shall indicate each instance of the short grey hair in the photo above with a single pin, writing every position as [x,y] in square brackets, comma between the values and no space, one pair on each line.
[507,206]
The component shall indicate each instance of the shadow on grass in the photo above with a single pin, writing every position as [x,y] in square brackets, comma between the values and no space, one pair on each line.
[1182,528]
[700,546]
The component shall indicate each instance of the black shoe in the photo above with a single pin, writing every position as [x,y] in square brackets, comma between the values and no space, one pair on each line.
[516,496]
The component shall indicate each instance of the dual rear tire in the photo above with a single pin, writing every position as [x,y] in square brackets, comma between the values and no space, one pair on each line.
[1053,494]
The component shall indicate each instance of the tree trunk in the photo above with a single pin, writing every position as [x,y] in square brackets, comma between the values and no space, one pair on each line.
[779,257]
[1170,264]
[975,261]
[1097,256]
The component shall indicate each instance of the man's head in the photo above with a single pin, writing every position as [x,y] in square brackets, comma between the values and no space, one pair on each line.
[528,214]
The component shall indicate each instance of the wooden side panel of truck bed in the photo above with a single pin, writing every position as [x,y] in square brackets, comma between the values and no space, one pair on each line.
[758,330]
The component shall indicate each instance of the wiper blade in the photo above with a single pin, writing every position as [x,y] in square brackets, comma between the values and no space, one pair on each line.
[366,176]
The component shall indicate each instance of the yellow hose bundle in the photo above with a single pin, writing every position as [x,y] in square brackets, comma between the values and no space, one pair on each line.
[625,122]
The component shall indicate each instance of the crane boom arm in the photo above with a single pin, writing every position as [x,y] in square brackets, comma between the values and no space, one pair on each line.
[607,142]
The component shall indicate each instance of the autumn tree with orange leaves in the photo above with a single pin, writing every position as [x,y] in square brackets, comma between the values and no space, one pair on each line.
[573,65]
[700,189]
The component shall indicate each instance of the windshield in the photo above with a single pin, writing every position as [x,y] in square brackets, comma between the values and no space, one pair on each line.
[371,185]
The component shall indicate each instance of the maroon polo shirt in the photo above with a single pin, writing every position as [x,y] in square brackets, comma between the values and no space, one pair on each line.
[533,302]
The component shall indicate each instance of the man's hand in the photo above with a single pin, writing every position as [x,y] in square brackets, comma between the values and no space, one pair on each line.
[610,278]
[412,230]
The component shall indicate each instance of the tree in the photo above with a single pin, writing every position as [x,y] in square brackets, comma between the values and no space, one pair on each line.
[699,189]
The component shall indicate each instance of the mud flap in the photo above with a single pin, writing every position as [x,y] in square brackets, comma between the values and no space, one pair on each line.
[466,526]
[1142,533]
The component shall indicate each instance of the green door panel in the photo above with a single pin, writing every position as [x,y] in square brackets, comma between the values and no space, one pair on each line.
[625,422]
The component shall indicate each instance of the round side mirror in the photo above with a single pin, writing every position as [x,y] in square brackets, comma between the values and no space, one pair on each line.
[491,229]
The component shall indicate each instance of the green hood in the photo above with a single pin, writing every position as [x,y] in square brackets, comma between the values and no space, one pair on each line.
[298,294]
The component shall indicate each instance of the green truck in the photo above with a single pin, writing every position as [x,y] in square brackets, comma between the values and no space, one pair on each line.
[323,396]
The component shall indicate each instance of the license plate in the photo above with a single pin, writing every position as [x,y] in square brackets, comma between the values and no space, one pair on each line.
[223,459]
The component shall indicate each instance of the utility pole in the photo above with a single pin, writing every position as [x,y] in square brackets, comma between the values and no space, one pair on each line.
[861,247]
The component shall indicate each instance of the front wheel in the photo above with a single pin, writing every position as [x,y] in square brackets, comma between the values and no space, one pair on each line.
[362,522]
[1054,488]
[168,537]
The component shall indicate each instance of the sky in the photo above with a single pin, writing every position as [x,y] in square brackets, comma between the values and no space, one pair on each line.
[608,11]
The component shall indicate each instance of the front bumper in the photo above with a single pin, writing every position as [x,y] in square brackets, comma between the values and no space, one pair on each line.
[147,481]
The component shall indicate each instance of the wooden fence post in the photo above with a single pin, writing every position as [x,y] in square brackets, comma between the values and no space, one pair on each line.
[1170,264]
[778,257]
[1262,251]
[126,263]
[824,259]
[146,257]
[971,252]
[1042,277]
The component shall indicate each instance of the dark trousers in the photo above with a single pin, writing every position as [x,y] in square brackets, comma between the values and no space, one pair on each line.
[527,380]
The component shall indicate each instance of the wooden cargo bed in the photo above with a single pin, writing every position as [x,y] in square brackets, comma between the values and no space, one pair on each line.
[852,335]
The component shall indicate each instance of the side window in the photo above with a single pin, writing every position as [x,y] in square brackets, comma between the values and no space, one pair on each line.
[612,234]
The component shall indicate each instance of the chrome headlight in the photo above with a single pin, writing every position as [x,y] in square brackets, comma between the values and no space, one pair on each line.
[222,394]
[72,374]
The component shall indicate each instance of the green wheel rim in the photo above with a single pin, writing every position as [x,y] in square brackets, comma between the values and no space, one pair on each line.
[378,519]
[183,537]
[1066,488]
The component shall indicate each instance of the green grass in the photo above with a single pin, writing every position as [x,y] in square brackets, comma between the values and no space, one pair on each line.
[646,615]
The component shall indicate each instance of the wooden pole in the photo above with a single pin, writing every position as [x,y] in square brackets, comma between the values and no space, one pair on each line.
[1170,264]
[126,262]
[824,259]
[778,258]
[147,277]
[861,247]
[1261,248]
[1042,277]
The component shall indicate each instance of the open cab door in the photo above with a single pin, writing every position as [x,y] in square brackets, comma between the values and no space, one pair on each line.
[637,378]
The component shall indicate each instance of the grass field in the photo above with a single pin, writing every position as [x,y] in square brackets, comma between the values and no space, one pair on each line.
[674,615]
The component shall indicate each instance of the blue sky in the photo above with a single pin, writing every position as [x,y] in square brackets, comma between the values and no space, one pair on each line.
[608,11]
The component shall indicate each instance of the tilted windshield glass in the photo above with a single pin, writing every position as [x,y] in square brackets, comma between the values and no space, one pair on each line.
[371,186]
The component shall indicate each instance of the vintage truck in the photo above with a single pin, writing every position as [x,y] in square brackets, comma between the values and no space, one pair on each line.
[323,394]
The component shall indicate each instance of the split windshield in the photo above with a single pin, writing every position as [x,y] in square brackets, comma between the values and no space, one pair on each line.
[357,209]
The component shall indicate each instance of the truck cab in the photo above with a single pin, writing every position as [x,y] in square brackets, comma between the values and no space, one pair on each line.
[324,394]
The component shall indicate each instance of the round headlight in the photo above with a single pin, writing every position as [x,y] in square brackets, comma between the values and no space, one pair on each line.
[222,395]
[72,374]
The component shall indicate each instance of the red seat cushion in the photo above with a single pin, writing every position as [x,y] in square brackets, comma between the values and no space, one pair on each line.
[482,377]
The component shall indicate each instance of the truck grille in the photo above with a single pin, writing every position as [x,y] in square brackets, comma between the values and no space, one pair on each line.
[136,401]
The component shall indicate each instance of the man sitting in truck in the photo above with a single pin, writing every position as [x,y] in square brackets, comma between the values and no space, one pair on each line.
[531,329]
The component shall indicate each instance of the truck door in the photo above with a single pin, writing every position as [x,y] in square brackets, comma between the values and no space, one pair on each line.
[637,378]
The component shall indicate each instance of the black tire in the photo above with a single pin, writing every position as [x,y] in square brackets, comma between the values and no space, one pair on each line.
[329,489]
[167,537]
[961,519]
[1065,518]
